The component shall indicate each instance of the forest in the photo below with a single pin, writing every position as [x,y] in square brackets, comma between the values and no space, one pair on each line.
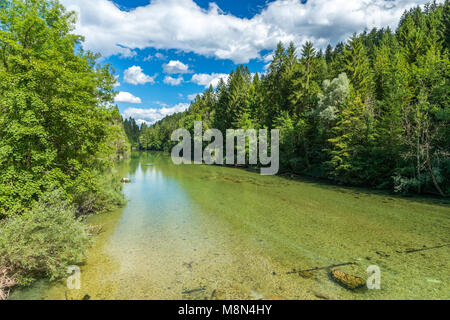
[374,111]
[59,137]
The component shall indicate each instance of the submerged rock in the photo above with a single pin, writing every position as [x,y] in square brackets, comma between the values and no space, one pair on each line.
[321,296]
[218,294]
[347,280]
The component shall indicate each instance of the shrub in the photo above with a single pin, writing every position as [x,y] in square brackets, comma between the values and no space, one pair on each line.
[43,241]
[94,192]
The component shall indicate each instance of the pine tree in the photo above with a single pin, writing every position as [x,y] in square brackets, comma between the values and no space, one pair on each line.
[358,68]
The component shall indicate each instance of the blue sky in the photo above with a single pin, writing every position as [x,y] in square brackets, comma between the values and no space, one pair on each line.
[166,51]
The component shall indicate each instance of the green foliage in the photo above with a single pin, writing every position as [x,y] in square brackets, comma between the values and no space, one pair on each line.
[43,241]
[117,140]
[132,131]
[58,131]
[102,193]
[55,116]
[334,96]
[287,138]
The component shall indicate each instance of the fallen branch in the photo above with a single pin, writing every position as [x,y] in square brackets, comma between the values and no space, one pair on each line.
[322,268]
[6,282]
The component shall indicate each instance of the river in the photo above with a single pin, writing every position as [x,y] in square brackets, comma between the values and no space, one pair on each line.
[209,232]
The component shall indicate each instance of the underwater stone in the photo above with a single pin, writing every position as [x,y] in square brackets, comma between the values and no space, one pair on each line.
[347,280]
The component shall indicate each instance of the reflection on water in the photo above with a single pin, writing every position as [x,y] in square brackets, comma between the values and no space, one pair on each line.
[208,232]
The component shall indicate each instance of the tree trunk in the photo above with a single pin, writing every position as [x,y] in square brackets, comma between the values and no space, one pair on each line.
[418,165]
[430,169]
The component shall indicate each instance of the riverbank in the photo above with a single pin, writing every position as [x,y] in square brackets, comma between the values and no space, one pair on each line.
[432,198]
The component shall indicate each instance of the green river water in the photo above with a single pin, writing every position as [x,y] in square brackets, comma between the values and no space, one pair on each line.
[209,232]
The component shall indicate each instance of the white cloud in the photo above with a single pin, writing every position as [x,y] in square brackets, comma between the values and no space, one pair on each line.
[173,81]
[117,84]
[160,103]
[140,122]
[127,53]
[175,67]
[183,25]
[203,79]
[193,96]
[267,60]
[160,56]
[153,115]
[157,56]
[135,75]
[268,57]
[127,97]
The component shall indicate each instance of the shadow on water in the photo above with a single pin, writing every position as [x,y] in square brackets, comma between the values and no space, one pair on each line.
[326,184]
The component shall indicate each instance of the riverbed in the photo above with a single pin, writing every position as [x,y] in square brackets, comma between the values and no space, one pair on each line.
[210,232]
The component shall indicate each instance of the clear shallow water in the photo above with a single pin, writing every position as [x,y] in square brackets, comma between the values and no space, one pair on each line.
[227,233]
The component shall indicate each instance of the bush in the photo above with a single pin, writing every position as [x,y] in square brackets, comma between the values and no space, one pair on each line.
[94,192]
[43,241]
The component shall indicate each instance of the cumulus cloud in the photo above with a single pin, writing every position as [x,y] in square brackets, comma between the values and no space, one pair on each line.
[204,79]
[153,115]
[135,75]
[127,97]
[173,81]
[183,25]
[175,67]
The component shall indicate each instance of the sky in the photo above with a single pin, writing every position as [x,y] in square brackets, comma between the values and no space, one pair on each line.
[165,52]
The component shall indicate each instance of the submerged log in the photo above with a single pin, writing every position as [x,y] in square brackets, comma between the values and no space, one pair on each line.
[306,271]
[425,249]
